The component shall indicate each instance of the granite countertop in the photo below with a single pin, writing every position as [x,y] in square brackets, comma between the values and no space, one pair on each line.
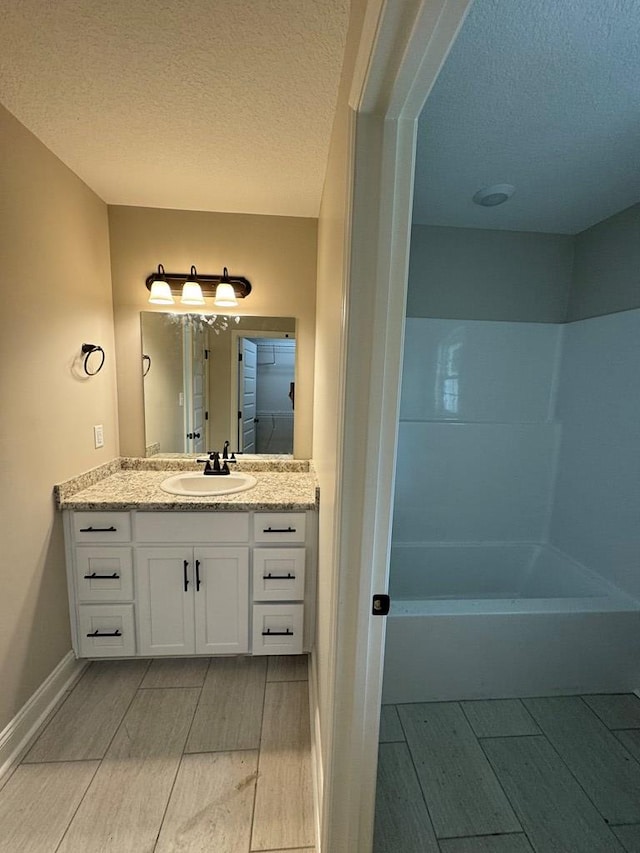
[126,489]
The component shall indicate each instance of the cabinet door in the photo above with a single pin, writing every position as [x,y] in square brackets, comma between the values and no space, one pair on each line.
[221,600]
[165,580]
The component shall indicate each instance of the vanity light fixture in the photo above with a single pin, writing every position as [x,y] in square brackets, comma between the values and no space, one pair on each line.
[191,290]
[160,288]
[194,287]
[225,294]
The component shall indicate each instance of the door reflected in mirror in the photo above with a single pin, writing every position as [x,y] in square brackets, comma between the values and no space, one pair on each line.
[212,378]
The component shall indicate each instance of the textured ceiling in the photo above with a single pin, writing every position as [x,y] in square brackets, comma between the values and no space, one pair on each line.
[222,105]
[542,94]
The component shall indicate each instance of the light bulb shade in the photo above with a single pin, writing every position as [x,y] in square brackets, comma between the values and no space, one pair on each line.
[161,293]
[192,294]
[225,296]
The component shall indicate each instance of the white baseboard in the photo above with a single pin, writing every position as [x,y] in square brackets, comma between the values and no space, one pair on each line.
[316,748]
[15,737]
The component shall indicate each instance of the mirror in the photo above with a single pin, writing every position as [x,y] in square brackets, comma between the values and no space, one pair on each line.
[212,378]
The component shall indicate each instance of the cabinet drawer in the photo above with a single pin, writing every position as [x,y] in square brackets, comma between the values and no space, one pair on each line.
[192,527]
[104,574]
[278,574]
[279,527]
[277,629]
[106,630]
[101,527]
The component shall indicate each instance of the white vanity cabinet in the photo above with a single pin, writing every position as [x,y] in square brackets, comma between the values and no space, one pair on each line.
[190,583]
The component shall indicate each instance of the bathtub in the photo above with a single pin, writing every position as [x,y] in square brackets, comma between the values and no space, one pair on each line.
[503,620]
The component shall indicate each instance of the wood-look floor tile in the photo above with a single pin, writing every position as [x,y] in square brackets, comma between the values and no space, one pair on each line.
[283,814]
[390,728]
[499,718]
[288,668]
[604,768]
[555,813]
[176,672]
[629,837]
[401,820]
[123,809]
[295,850]
[461,791]
[617,711]
[38,802]
[229,714]
[630,739]
[487,844]
[86,722]
[211,804]
[20,757]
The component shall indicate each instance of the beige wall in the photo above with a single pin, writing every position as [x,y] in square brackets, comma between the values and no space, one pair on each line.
[164,416]
[56,295]
[276,253]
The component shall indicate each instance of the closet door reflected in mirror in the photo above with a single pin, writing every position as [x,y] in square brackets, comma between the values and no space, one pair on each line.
[210,379]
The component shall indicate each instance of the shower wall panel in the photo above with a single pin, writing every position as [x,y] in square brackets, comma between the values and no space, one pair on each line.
[596,515]
[477,441]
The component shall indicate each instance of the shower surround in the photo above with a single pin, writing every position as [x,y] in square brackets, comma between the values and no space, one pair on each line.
[514,564]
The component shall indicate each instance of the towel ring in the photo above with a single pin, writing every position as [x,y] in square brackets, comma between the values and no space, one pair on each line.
[88,349]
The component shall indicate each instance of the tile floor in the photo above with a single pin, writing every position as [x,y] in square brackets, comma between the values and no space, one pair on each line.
[548,775]
[166,756]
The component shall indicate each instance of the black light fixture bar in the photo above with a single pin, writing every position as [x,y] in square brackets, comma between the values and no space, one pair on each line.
[208,283]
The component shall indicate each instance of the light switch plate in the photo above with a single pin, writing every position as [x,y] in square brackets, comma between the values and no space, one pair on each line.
[98,436]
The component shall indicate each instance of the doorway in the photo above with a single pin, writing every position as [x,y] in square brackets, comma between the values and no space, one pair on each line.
[264,391]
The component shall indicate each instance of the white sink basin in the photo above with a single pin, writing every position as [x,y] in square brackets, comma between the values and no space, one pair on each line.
[195,484]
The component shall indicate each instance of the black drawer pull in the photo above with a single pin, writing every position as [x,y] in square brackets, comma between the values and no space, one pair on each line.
[270,633]
[97,633]
[186,577]
[111,529]
[93,575]
[198,581]
[287,577]
[279,530]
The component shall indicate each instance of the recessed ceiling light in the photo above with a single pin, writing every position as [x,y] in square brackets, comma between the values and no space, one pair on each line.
[494,195]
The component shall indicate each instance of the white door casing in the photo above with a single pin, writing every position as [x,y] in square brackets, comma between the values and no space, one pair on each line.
[395,71]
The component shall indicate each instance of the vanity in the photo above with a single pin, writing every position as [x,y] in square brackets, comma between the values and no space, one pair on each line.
[152,574]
